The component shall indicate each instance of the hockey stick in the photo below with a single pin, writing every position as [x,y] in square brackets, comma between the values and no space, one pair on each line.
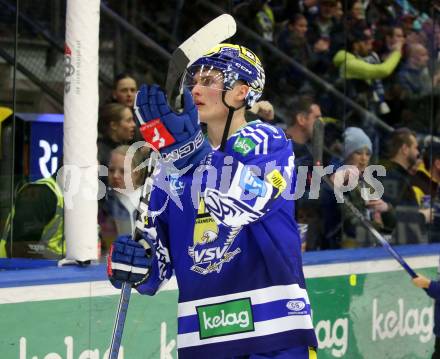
[367,224]
[124,300]
[218,30]
[317,151]
[213,33]
[318,142]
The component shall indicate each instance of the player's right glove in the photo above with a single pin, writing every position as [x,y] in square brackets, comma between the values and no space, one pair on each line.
[177,136]
[129,261]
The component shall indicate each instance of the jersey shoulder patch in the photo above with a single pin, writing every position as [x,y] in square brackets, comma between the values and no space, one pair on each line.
[258,138]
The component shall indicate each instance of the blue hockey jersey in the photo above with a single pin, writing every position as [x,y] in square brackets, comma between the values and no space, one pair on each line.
[226,229]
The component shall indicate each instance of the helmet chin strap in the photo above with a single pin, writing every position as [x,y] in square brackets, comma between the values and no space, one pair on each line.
[231,111]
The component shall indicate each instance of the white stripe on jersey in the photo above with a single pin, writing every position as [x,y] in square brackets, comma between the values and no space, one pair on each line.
[266,327]
[274,129]
[258,296]
[248,132]
[258,135]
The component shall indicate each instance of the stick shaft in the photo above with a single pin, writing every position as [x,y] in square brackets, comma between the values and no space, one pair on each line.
[380,238]
[393,252]
[214,32]
[317,150]
[121,314]
[124,298]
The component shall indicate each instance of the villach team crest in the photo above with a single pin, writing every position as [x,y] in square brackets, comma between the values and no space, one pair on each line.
[211,250]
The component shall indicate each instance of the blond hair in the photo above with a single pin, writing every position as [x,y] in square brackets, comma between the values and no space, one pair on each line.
[137,159]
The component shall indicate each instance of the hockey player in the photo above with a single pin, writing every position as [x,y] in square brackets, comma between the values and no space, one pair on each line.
[233,243]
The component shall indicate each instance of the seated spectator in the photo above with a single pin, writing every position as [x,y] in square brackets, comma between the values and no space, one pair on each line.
[341,227]
[338,12]
[414,77]
[293,41]
[117,210]
[304,115]
[386,40]
[124,89]
[392,36]
[356,11]
[414,87]
[266,22]
[38,222]
[431,38]
[380,13]
[326,31]
[322,24]
[426,180]
[305,112]
[256,15]
[364,69]
[116,127]
[355,14]
[309,7]
[426,185]
[402,154]
[407,23]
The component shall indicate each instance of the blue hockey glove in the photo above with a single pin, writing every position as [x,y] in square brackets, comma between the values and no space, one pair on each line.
[177,136]
[129,261]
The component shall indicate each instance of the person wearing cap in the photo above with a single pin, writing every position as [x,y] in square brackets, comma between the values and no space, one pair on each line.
[341,226]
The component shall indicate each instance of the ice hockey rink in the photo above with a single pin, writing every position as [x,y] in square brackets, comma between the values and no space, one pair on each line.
[331,66]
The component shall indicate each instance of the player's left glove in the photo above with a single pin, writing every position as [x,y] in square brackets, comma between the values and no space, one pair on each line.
[177,136]
[130,261]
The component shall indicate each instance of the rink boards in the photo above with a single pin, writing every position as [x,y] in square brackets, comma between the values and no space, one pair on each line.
[364,306]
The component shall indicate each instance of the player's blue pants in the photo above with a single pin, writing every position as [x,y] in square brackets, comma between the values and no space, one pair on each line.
[292,353]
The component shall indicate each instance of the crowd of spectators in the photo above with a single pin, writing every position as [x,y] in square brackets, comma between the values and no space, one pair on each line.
[383,56]
[379,54]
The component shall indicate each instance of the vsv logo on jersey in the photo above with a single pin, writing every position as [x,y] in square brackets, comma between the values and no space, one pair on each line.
[48,151]
[209,257]
[243,145]
[251,183]
[208,254]
[225,318]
